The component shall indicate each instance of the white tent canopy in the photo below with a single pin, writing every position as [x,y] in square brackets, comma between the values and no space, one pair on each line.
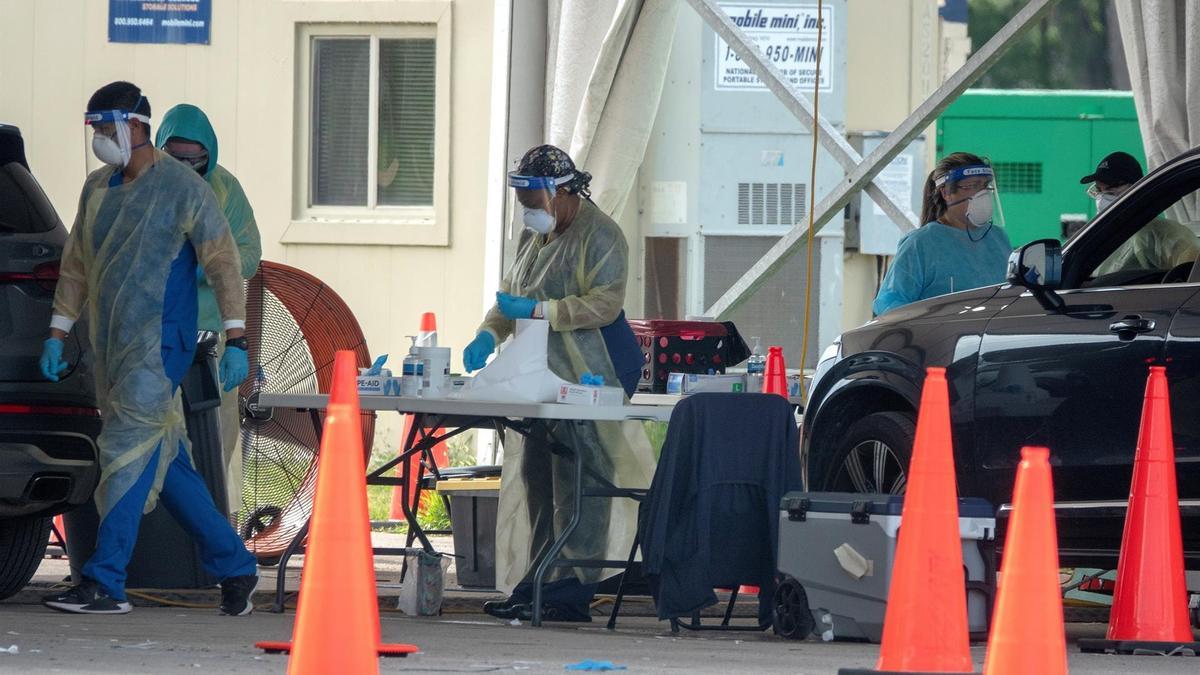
[1162,47]
[605,65]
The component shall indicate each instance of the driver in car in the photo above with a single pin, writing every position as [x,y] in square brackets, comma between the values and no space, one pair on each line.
[1161,244]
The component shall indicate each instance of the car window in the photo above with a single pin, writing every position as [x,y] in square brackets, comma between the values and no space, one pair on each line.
[1162,250]
[24,208]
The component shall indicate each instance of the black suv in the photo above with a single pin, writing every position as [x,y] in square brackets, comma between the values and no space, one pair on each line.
[1040,360]
[47,429]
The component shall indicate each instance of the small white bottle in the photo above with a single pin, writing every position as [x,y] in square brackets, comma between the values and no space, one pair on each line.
[413,375]
[756,368]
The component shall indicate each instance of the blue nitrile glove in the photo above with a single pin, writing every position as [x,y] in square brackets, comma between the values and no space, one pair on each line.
[515,307]
[52,363]
[377,367]
[199,274]
[591,380]
[235,366]
[476,354]
[591,665]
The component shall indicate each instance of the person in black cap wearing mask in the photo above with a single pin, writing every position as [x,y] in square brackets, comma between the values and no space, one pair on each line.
[1160,245]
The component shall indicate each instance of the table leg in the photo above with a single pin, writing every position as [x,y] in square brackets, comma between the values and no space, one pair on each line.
[294,546]
[556,548]
[414,528]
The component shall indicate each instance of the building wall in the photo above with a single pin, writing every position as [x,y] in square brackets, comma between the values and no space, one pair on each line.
[53,55]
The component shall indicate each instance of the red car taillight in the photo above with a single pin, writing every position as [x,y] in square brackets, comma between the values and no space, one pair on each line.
[70,411]
[44,275]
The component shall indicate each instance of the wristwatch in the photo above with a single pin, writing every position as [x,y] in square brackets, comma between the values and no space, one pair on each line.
[240,342]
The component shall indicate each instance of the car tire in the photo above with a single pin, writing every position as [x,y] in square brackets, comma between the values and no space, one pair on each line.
[22,546]
[873,455]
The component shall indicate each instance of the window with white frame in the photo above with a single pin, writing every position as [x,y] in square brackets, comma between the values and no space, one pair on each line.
[372,139]
[369,154]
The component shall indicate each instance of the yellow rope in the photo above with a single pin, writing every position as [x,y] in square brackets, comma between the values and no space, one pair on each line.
[169,603]
[812,201]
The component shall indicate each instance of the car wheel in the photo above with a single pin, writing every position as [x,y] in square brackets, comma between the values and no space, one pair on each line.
[873,455]
[22,546]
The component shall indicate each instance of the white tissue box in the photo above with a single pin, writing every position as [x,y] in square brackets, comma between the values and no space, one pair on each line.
[580,394]
[692,383]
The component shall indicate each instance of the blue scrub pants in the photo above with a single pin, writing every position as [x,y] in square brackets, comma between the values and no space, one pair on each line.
[184,492]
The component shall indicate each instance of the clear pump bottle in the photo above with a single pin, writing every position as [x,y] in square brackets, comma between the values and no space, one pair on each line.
[756,367]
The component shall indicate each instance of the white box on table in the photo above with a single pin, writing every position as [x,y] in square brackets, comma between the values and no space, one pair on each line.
[580,394]
[377,385]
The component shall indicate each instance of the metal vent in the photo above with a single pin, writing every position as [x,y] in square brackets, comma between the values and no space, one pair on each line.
[770,203]
[1023,177]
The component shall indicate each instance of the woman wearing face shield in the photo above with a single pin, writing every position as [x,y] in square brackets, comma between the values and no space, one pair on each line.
[570,270]
[959,247]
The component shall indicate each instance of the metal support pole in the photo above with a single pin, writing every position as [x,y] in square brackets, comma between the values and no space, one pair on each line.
[893,145]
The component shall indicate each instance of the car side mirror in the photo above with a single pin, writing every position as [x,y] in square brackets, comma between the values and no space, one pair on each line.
[1038,267]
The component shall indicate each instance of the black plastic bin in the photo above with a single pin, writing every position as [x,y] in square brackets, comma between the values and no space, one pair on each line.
[165,556]
[474,494]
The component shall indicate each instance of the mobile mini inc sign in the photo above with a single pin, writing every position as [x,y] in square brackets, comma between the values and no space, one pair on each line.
[160,21]
[787,37]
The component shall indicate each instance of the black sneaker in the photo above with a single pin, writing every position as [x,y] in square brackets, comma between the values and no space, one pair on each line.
[236,595]
[86,598]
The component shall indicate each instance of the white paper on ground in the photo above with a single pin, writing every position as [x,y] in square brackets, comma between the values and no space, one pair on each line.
[519,373]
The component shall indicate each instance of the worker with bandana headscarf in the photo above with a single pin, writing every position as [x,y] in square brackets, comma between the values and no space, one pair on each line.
[144,223]
[187,135]
[570,270]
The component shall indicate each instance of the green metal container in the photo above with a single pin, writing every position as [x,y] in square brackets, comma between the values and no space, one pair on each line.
[1040,144]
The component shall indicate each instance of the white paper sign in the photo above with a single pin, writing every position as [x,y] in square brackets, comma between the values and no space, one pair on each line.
[787,37]
[668,203]
[896,179]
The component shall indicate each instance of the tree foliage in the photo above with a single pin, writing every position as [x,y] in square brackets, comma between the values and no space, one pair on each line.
[1076,45]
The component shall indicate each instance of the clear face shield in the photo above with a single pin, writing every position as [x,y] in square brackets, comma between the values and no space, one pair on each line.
[535,200]
[111,141]
[975,187]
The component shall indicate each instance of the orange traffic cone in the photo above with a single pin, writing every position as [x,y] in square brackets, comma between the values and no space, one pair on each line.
[441,457]
[1149,612]
[337,619]
[775,373]
[427,337]
[1028,635]
[925,627]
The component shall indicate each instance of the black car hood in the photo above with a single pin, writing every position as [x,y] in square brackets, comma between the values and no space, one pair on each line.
[955,306]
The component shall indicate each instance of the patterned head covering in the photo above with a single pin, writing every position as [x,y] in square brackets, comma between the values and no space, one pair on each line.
[551,162]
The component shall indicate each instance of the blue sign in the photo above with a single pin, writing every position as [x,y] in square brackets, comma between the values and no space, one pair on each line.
[160,21]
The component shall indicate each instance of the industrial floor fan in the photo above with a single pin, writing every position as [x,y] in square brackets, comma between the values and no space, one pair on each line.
[295,324]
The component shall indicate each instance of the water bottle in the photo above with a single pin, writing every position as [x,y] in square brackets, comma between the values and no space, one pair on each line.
[756,367]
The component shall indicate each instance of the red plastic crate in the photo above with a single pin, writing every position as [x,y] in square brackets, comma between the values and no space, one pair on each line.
[680,347]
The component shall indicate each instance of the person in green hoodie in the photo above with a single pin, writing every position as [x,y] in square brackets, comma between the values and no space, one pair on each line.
[186,134]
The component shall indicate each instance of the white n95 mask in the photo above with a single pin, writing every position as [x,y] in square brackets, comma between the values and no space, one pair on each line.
[108,151]
[979,208]
[538,220]
[1104,200]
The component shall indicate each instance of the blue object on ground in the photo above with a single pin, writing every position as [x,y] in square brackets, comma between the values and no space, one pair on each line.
[589,664]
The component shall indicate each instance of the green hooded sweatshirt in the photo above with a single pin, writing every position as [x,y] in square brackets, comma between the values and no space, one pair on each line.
[189,123]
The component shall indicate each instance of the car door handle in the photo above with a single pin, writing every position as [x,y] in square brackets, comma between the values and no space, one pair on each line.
[1132,324]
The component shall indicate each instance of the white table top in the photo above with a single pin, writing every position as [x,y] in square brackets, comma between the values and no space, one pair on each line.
[441,406]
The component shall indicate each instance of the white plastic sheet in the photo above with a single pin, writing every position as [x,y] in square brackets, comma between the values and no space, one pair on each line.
[519,373]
